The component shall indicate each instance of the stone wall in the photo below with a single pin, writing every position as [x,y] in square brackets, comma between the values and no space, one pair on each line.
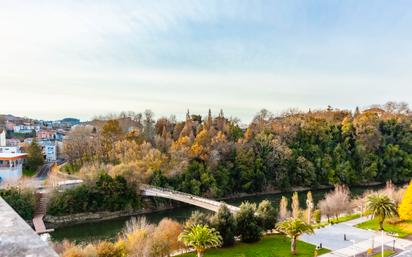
[89,217]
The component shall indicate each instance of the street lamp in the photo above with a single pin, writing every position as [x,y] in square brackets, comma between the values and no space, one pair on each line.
[353,246]
[382,243]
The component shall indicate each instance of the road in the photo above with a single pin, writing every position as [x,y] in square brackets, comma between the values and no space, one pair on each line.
[44,171]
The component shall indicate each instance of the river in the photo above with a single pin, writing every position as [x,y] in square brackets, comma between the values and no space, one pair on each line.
[110,229]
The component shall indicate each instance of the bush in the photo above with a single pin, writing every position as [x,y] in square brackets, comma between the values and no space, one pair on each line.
[22,201]
[317,215]
[108,249]
[106,194]
[247,223]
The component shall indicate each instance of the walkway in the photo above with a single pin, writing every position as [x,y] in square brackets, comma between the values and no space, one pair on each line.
[358,240]
[41,210]
[205,203]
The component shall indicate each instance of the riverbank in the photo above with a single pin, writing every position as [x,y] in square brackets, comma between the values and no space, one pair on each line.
[153,206]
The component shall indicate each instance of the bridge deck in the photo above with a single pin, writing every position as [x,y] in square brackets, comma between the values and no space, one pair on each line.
[202,202]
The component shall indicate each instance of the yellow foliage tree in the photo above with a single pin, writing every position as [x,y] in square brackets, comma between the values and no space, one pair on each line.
[405,207]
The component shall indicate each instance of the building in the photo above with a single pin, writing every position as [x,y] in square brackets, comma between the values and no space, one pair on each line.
[26,128]
[45,134]
[11,164]
[3,141]
[13,142]
[10,149]
[49,149]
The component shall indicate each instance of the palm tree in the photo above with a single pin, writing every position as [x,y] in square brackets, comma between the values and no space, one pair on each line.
[381,207]
[294,227]
[201,238]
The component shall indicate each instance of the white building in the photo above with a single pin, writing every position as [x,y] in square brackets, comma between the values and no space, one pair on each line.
[26,128]
[49,149]
[11,166]
[2,137]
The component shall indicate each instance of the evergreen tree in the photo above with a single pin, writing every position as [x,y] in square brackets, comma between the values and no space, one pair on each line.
[267,215]
[35,157]
[224,222]
[247,223]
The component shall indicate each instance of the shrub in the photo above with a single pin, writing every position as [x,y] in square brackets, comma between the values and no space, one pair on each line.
[106,194]
[22,201]
[267,215]
[317,216]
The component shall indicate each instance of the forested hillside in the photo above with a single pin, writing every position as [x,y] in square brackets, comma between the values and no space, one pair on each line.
[213,156]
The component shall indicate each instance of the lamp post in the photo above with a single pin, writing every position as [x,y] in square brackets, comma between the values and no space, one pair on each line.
[353,247]
[382,243]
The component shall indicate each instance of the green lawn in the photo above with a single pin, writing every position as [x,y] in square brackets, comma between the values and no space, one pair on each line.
[269,246]
[386,253]
[339,220]
[402,229]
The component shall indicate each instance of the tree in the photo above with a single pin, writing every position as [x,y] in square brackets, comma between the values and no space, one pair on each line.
[335,202]
[405,207]
[381,207]
[201,238]
[267,215]
[294,227]
[295,205]
[247,223]
[35,157]
[283,209]
[224,222]
[165,238]
[197,218]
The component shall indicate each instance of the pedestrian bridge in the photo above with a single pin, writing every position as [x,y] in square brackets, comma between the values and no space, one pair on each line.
[149,190]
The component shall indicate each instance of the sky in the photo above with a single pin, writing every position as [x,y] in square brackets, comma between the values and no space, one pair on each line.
[87,58]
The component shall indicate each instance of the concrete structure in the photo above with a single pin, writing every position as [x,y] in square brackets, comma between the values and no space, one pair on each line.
[17,238]
[205,203]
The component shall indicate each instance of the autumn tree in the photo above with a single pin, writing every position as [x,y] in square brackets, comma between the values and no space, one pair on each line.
[295,205]
[283,209]
[405,207]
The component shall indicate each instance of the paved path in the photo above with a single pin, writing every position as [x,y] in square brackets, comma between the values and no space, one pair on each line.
[358,240]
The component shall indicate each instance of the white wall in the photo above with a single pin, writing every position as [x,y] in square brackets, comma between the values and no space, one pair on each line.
[3,138]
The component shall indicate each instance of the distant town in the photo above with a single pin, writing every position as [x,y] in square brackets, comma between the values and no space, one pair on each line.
[17,133]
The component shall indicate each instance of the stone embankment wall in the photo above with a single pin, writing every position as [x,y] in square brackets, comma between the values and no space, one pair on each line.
[88,217]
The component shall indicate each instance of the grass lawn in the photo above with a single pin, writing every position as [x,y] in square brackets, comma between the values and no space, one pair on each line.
[269,246]
[402,229]
[386,253]
[339,220]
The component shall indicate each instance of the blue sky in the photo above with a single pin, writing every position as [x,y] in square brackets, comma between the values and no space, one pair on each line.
[84,58]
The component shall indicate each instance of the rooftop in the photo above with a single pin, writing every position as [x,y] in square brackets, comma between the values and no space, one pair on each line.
[12,156]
